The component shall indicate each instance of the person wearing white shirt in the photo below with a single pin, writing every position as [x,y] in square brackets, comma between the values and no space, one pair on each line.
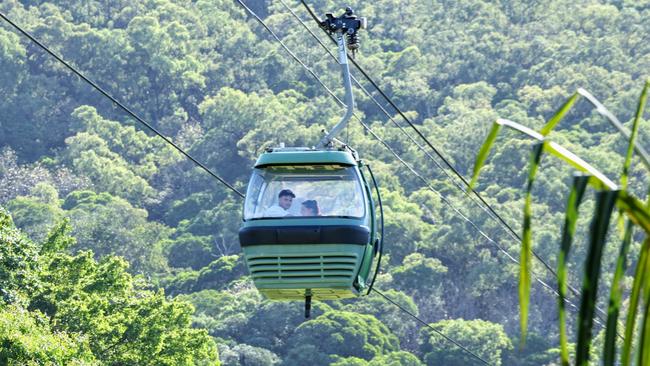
[285,198]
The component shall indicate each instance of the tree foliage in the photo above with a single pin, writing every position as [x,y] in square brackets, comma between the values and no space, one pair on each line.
[71,309]
[210,78]
[487,340]
[341,333]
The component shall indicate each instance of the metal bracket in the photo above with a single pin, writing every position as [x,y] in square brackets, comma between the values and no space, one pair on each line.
[345,27]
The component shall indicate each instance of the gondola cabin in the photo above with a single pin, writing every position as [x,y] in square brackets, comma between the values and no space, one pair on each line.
[309,225]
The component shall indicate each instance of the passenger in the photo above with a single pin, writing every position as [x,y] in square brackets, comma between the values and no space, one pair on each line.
[310,208]
[285,198]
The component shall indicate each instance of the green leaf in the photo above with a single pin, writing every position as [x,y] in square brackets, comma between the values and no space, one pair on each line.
[609,348]
[636,210]
[644,342]
[526,246]
[521,128]
[575,198]
[639,278]
[483,153]
[603,111]
[632,141]
[605,201]
[599,180]
[559,115]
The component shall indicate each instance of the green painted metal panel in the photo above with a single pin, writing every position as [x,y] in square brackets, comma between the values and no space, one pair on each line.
[305,157]
[288,272]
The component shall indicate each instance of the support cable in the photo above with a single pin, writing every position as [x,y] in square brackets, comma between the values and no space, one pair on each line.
[241,195]
[124,108]
[369,95]
[484,204]
[408,166]
[367,128]
[420,147]
[451,340]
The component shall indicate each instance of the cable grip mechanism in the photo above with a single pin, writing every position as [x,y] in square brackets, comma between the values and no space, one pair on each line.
[347,24]
[346,28]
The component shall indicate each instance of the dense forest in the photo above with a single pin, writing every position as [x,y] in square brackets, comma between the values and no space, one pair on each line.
[115,249]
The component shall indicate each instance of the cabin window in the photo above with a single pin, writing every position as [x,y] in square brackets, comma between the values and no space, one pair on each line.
[319,190]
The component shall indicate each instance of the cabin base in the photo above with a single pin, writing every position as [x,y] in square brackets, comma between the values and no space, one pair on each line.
[293,272]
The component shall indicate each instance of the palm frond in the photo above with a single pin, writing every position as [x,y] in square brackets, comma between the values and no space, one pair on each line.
[609,347]
[526,254]
[609,195]
[639,278]
[605,202]
[575,198]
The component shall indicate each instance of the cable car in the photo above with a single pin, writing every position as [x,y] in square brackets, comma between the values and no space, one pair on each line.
[310,230]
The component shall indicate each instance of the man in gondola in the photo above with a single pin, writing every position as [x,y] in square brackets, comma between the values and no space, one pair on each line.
[285,198]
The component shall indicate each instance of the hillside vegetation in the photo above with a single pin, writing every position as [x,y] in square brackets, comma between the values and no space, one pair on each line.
[115,249]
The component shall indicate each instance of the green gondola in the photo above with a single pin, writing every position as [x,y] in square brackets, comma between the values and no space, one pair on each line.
[310,230]
[326,255]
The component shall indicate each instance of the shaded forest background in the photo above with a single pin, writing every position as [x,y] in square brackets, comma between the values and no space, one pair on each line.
[116,250]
